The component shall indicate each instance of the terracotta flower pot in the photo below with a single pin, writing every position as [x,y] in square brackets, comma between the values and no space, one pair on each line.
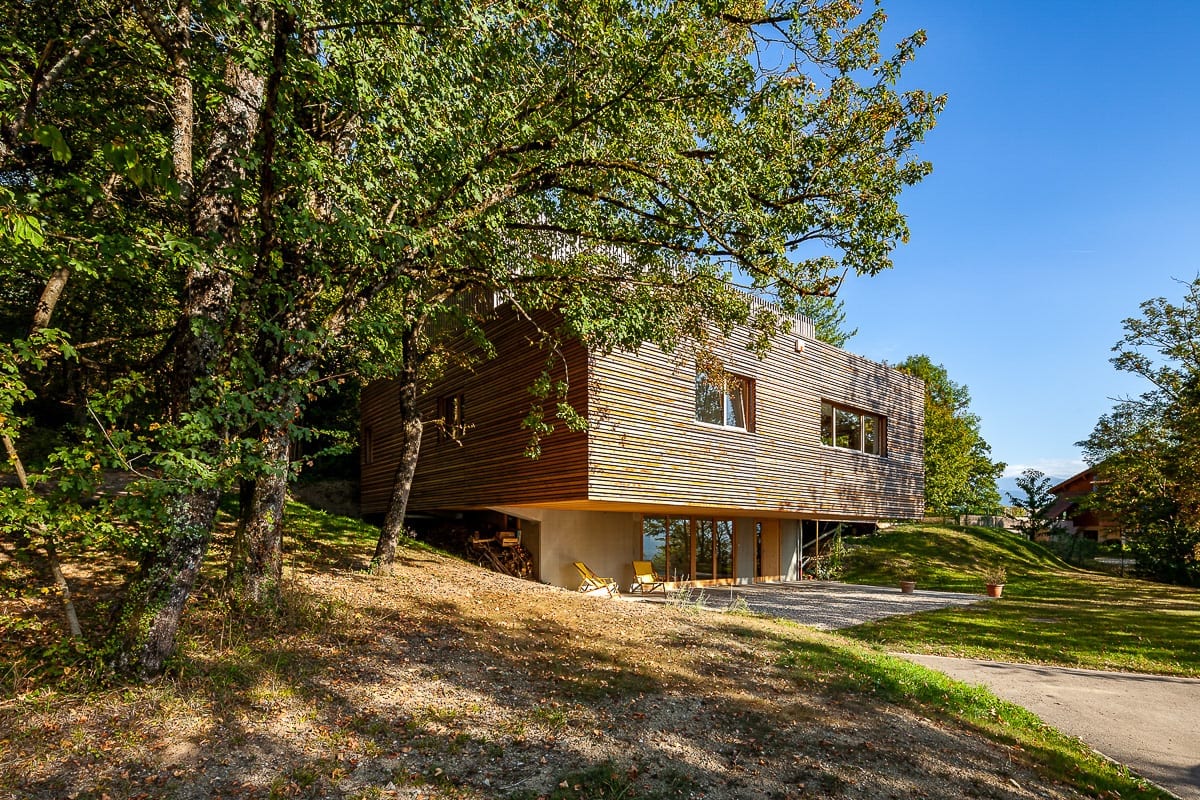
[908,587]
[995,589]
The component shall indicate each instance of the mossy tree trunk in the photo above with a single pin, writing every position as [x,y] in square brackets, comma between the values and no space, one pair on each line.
[256,564]
[411,428]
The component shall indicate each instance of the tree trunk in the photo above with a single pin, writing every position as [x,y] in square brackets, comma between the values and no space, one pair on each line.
[182,111]
[42,314]
[410,449]
[153,606]
[49,299]
[256,564]
[150,612]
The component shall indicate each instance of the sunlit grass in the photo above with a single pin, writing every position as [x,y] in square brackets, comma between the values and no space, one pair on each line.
[308,677]
[869,671]
[1050,613]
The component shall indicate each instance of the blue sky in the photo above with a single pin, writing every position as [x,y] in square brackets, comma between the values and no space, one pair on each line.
[1065,191]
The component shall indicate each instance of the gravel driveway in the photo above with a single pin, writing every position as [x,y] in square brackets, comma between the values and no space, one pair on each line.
[830,605]
[1149,722]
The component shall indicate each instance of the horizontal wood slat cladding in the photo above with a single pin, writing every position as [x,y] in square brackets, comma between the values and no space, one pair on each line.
[487,466]
[645,445]
[644,449]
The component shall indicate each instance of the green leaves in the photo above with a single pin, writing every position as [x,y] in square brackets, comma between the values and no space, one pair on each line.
[50,137]
[1145,450]
[20,228]
[959,473]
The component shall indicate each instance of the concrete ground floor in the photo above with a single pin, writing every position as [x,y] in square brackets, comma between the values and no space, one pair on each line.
[687,547]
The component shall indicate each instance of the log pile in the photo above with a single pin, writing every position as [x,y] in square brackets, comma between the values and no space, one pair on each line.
[502,552]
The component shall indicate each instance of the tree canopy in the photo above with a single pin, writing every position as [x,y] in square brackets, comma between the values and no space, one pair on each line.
[1035,500]
[211,212]
[1145,450]
[960,476]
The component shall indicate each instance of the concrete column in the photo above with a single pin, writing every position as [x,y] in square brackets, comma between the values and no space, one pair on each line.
[789,547]
[744,541]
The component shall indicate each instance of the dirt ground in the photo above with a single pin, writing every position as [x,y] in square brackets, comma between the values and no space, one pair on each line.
[444,681]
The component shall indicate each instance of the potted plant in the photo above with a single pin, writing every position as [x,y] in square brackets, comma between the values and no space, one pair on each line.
[908,578]
[994,578]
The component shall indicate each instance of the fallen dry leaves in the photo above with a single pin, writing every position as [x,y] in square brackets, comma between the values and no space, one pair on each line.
[443,681]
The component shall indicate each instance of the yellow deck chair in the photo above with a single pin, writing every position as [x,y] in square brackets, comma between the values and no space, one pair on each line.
[593,582]
[645,579]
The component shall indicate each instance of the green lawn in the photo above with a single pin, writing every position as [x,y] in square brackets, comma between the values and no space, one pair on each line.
[1050,613]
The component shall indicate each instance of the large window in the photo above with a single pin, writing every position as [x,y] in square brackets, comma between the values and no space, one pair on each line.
[851,429]
[730,405]
[688,549]
[667,545]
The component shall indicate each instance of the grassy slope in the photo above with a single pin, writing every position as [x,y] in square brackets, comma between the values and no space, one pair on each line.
[1050,613]
[441,676]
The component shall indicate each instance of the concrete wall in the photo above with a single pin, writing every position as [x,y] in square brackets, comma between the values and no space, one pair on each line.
[744,541]
[789,547]
[607,541]
[531,538]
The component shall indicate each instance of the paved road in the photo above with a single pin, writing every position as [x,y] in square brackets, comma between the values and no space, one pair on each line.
[1148,722]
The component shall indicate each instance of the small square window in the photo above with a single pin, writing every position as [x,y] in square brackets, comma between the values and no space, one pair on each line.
[730,406]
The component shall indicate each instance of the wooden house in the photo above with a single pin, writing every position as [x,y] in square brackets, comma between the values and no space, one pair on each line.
[712,482]
[1071,515]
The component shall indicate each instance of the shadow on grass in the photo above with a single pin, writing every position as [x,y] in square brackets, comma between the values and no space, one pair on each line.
[1050,613]
[899,681]
[508,695]
[1080,634]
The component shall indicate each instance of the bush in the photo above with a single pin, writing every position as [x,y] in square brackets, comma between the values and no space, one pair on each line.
[1072,548]
[832,565]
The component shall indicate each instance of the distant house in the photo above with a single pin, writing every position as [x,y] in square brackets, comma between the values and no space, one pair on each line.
[711,483]
[1071,515]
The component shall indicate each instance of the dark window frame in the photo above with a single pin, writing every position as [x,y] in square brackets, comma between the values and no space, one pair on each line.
[368,445]
[452,412]
[866,434]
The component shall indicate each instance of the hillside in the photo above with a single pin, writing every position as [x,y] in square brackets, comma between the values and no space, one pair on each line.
[1051,613]
[442,680]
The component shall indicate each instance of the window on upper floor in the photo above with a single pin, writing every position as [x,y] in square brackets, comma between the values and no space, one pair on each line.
[730,405]
[368,445]
[852,429]
[451,410]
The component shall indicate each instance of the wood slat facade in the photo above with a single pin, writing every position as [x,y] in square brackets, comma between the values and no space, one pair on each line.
[646,446]
[644,449]
[486,465]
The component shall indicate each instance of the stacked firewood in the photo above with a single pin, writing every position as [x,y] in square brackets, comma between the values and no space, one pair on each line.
[502,552]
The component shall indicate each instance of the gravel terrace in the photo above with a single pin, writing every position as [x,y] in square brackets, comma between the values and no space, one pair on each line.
[828,605]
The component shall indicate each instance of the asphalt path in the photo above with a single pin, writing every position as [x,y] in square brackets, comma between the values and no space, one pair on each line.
[1148,722]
